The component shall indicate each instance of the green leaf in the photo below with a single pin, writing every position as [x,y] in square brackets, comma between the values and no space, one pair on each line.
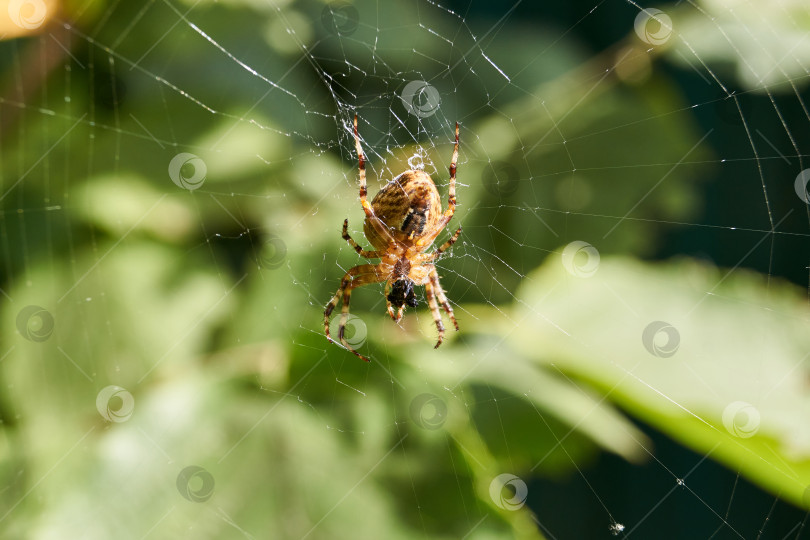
[720,368]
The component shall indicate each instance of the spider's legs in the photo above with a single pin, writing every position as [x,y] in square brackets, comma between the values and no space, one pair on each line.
[372,218]
[359,275]
[434,310]
[449,243]
[394,315]
[362,164]
[360,251]
[427,258]
[451,203]
[434,279]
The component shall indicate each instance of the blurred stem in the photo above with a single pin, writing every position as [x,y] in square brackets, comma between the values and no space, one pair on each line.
[484,468]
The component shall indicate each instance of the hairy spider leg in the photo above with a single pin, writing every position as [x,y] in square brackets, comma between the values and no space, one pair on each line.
[376,222]
[357,276]
[387,301]
[360,251]
[434,279]
[434,310]
[451,200]
[427,258]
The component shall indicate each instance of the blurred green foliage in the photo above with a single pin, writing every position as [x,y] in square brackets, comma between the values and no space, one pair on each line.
[207,305]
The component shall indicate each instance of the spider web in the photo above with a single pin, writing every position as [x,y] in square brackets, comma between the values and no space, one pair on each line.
[681,131]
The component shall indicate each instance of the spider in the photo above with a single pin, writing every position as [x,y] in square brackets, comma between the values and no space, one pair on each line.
[402,221]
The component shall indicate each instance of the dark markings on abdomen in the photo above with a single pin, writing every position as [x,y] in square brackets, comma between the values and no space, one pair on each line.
[415,221]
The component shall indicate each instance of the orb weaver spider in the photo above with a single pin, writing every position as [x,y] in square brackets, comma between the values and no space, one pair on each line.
[402,221]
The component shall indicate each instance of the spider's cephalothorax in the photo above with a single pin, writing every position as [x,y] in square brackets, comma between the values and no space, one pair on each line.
[402,222]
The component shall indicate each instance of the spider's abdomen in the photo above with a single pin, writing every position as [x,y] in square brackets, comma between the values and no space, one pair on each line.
[409,205]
